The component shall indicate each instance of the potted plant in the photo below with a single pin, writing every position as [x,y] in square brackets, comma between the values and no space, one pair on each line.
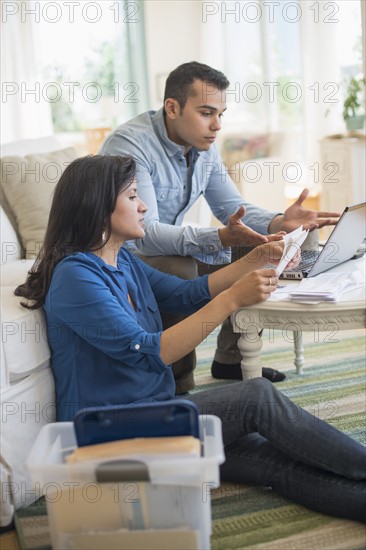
[351,106]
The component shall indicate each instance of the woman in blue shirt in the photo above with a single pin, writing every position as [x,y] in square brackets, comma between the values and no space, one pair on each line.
[103,307]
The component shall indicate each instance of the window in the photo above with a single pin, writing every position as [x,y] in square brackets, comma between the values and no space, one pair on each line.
[80,63]
[286,61]
[85,57]
[266,74]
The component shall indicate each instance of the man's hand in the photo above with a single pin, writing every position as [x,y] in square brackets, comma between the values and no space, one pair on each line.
[294,262]
[297,215]
[236,233]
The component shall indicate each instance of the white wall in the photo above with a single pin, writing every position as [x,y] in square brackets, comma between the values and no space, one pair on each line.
[172,37]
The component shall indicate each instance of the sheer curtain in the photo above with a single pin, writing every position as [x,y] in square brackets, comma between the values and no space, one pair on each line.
[24,114]
[86,65]
[137,61]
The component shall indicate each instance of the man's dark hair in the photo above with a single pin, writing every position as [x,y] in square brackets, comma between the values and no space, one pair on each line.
[180,81]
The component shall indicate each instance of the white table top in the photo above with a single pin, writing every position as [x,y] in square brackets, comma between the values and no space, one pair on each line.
[355,299]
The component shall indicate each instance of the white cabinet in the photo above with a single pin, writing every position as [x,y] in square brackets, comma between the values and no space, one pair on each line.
[342,172]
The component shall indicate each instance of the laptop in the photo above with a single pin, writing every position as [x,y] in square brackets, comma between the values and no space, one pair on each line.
[341,245]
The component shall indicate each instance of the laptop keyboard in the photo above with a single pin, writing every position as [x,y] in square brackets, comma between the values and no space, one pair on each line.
[308,258]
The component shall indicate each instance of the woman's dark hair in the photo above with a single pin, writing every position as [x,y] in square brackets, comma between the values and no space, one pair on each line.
[83,202]
[180,81]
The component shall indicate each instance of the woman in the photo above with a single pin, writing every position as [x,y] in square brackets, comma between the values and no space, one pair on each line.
[102,308]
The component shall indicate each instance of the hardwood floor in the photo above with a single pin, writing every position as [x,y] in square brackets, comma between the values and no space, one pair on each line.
[9,541]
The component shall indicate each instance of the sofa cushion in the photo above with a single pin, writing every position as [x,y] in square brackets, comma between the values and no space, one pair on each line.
[24,344]
[15,273]
[10,246]
[27,184]
[23,147]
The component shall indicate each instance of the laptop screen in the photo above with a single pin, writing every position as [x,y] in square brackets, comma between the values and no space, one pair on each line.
[344,240]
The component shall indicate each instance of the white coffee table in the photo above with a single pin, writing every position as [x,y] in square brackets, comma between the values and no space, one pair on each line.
[294,318]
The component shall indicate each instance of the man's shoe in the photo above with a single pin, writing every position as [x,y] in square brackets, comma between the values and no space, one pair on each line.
[233,372]
[272,374]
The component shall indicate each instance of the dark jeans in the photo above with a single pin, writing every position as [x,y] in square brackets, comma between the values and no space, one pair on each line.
[271,441]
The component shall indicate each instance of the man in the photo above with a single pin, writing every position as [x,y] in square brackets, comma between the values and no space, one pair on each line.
[177,162]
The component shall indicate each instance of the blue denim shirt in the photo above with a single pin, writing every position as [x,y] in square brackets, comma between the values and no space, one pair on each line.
[170,189]
[104,351]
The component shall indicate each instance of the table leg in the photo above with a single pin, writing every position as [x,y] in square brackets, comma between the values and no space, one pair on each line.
[250,345]
[299,352]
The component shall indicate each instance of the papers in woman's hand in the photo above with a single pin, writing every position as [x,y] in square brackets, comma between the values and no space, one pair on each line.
[326,287]
[293,242]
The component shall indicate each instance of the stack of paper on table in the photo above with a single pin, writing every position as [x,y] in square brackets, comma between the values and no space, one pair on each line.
[326,287]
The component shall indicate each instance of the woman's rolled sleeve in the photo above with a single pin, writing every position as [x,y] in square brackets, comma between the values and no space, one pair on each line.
[148,344]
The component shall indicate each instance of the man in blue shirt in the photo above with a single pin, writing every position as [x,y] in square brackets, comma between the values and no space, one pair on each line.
[177,162]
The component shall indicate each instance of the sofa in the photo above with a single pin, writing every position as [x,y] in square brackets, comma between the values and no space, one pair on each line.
[30,170]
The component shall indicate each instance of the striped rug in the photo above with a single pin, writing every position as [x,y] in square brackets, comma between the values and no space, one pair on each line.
[333,388]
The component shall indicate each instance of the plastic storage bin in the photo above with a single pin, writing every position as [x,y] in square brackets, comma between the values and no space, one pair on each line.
[172,509]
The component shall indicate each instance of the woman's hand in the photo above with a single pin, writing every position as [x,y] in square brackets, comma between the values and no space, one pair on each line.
[264,254]
[271,253]
[253,288]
